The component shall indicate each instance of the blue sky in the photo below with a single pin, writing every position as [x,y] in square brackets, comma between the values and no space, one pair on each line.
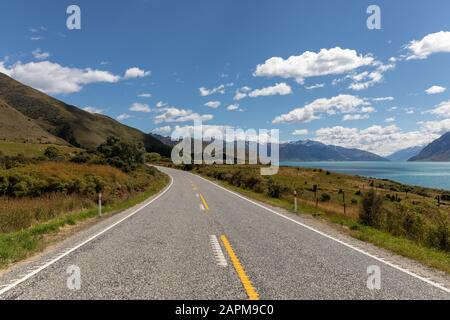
[339,70]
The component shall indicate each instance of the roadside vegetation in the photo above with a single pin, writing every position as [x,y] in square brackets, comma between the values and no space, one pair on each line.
[410,221]
[40,195]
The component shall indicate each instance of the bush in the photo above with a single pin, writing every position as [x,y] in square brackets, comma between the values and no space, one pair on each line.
[51,153]
[152,157]
[371,209]
[4,184]
[81,157]
[274,189]
[325,197]
[125,155]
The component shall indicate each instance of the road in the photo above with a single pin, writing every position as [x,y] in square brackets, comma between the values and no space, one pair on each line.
[199,241]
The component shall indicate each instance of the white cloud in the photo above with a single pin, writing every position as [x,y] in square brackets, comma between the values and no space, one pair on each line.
[366,79]
[437,128]
[94,110]
[204,92]
[140,107]
[242,93]
[173,114]
[300,132]
[161,104]
[442,109]
[354,117]
[281,89]
[381,99]
[377,139]
[391,119]
[145,95]
[37,38]
[135,72]
[311,64]
[431,43]
[339,104]
[213,104]
[53,78]
[124,116]
[39,54]
[214,131]
[435,90]
[163,130]
[315,86]
[233,107]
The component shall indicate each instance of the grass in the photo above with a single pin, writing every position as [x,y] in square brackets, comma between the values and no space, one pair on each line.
[19,245]
[31,150]
[332,210]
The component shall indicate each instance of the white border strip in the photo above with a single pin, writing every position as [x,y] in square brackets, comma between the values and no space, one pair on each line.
[28,276]
[217,250]
[434,284]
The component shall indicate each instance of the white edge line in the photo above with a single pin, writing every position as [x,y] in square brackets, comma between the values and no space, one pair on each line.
[332,238]
[28,276]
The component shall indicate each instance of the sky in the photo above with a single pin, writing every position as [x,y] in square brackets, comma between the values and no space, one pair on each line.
[312,69]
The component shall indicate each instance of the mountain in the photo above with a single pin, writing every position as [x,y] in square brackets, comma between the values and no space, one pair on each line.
[438,150]
[315,151]
[405,154]
[61,122]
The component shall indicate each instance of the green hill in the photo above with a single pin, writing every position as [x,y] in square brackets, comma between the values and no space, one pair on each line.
[62,123]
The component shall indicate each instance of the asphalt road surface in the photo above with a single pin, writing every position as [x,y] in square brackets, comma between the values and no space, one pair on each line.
[199,241]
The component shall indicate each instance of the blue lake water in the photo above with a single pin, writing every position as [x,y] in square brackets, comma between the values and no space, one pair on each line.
[426,174]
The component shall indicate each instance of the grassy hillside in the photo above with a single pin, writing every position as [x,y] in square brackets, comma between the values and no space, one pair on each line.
[76,126]
[32,150]
[14,126]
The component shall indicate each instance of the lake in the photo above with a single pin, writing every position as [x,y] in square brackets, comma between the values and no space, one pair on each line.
[426,174]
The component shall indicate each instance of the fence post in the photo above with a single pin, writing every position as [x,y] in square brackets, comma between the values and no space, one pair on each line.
[343,198]
[100,204]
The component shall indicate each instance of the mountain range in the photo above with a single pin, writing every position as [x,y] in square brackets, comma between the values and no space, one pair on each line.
[438,150]
[405,154]
[315,151]
[28,115]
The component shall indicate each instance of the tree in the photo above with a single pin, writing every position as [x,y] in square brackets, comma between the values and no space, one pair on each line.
[125,155]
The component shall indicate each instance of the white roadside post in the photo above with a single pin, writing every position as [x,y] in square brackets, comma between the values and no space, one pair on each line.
[100,204]
[295,201]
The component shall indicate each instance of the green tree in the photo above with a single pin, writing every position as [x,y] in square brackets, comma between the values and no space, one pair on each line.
[125,155]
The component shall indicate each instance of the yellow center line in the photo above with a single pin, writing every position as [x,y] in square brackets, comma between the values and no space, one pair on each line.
[251,291]
[204,201]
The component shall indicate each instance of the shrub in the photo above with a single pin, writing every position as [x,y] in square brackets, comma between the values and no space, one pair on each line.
[371,209]
[81,157]
[125,155]
[51,153]
[4,184]
[274,189]
[325,197]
